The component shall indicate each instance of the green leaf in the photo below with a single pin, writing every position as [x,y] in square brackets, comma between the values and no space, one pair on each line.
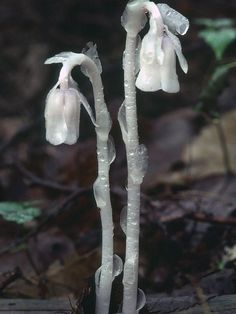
[215,23]
[19,212]
[213,88]
[221,265]
[216,81]
[221,71]
[219,39]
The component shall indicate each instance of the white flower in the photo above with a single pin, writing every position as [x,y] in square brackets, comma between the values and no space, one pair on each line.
[158,53]
[63,103]
[62,115]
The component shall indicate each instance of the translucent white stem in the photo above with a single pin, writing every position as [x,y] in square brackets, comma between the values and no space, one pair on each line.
[130,279]
[103,118]
[103,292]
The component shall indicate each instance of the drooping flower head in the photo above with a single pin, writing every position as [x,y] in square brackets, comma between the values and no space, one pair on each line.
[159,47]
[62,114]
[63,103]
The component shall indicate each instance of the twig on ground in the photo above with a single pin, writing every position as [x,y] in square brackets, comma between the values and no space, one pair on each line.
[9,277]
[204,217]
[35,180]
[201,296]
[199,216]
[20,134]
[224,147]
[58,210]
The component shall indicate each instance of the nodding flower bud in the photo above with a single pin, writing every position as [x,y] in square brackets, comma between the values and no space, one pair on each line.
[62,115]
[63,103]
[158,55]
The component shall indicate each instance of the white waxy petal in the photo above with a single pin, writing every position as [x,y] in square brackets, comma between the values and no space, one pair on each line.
[151,56]
[178,50]
[149,79]
[175,21]
[169,79]
[148,49]
[155,35]
[56,129]
[72,115]
[151,47]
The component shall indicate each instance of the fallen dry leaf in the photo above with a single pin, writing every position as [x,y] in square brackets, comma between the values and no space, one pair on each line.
[204,155]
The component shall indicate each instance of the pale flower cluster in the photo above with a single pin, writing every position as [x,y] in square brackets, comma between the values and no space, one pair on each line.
[62,114]
[63,103]
[159,49]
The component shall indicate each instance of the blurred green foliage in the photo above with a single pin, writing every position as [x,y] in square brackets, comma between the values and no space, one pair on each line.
[20,213]
[218,34]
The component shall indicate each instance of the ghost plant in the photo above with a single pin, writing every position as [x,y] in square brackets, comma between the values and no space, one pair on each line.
[62,115]
[151,66]
[155,70]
